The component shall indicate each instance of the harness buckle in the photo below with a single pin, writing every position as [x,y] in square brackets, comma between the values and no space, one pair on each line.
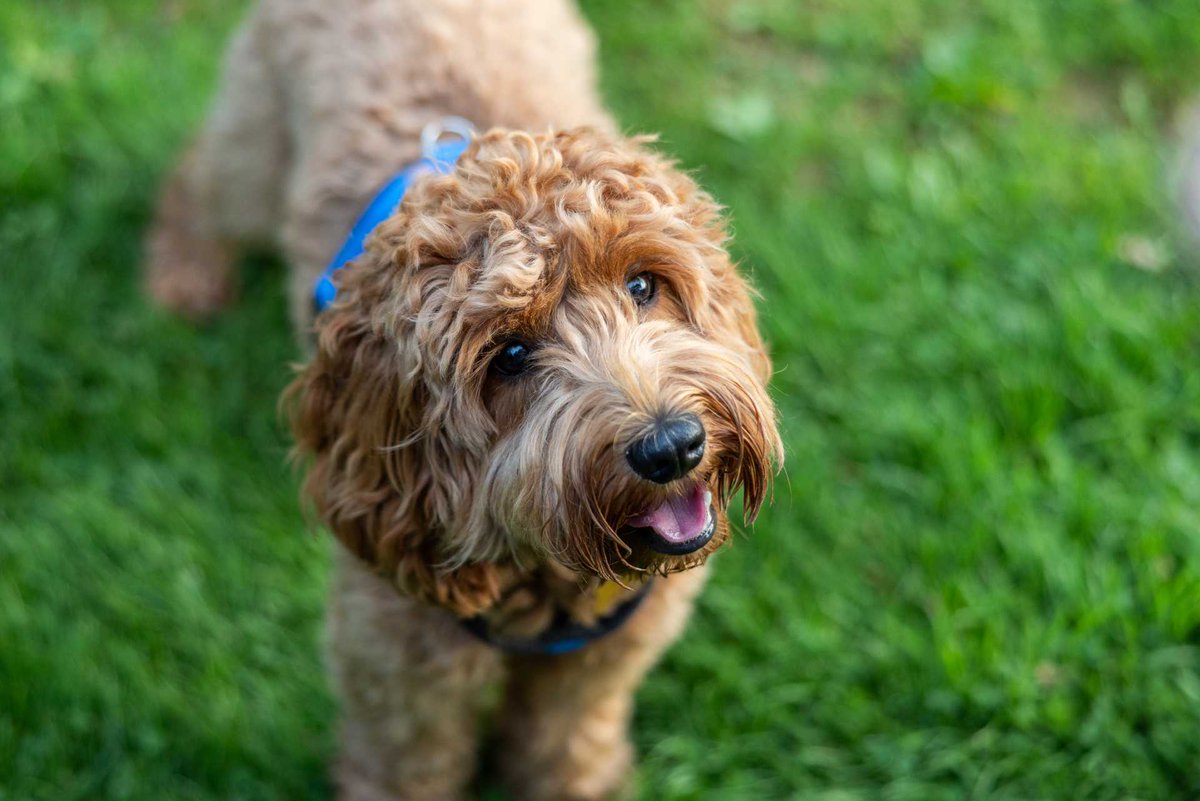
[434,132]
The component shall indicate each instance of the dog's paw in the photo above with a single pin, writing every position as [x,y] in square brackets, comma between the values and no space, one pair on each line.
[195,286]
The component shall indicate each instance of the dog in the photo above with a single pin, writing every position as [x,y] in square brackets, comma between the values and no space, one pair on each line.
[528,405]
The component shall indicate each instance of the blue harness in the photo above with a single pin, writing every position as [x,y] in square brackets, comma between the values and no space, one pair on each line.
[564,635]
[440,157]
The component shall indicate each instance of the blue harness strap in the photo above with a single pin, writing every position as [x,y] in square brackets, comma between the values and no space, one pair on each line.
[440,158]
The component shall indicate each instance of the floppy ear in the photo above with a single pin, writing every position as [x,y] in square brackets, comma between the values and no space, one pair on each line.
[726,314]
[356,409]
[733,306]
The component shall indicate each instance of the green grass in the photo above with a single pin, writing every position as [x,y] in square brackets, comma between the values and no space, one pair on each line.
[981,575]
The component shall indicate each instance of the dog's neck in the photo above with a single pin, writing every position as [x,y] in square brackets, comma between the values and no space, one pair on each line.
[538,598]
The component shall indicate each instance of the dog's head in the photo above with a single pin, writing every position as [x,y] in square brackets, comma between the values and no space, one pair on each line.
[546,355]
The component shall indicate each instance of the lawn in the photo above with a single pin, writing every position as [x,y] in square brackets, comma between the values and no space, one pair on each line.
[980,578]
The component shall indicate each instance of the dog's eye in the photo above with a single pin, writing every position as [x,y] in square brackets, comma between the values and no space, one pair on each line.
[642,288]
[512,358]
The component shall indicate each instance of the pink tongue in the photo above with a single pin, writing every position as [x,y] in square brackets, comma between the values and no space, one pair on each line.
[678,519]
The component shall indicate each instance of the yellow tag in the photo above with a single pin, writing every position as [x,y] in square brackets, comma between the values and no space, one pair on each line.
[607,595]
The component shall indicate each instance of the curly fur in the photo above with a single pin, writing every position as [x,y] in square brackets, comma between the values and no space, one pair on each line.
[457,491]
[429,466]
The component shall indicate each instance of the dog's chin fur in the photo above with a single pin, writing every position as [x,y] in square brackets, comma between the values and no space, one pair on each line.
[458,491]
[431,466]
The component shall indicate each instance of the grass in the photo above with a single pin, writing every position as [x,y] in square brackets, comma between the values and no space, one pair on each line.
[981,575]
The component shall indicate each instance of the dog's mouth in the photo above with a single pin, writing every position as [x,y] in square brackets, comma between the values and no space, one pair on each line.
[680,525]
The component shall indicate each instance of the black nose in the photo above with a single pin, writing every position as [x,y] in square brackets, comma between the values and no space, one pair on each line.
[672,448]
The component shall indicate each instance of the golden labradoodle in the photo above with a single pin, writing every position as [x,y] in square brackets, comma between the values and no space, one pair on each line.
[531,400]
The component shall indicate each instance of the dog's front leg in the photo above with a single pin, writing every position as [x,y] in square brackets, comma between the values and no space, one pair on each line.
[410,681]
[565,724]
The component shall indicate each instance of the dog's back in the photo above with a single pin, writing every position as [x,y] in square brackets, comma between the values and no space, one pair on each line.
[321,101]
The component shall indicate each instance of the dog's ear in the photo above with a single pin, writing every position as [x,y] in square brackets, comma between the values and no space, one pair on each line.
[377,473]
[731,309]
[725,313]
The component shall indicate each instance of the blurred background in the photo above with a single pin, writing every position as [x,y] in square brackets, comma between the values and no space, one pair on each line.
[981,575]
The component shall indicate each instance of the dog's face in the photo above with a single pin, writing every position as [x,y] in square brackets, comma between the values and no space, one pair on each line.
[546,355]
